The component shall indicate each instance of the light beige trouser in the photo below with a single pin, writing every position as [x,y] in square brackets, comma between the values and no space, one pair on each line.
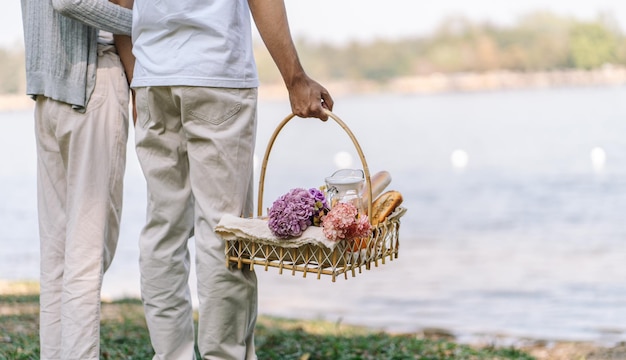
[81,159]
[195,146]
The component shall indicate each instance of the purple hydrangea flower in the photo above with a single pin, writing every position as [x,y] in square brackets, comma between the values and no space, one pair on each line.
[321,206]
[318,196]
[291,213]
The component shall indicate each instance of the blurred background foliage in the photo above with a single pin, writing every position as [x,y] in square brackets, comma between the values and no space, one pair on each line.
[12,74]
[538,41]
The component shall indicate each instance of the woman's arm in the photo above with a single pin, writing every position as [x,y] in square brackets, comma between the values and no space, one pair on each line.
[100,14]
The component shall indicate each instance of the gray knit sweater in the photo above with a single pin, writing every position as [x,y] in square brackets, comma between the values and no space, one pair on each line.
[61,39]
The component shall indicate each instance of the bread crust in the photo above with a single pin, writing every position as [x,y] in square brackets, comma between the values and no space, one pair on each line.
[384,205]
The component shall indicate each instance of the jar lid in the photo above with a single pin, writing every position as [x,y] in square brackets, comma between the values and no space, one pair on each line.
[346,177]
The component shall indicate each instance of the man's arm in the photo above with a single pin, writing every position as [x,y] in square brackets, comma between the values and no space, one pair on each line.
[124,46]
[307,97]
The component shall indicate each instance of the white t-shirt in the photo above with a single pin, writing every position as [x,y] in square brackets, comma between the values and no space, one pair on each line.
[193,43]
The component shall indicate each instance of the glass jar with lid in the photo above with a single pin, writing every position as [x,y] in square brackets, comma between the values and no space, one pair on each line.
[345,186]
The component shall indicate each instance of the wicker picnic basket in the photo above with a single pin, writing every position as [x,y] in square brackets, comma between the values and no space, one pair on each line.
[346,257]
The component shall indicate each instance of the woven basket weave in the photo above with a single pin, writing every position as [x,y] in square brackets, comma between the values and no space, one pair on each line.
[346,257]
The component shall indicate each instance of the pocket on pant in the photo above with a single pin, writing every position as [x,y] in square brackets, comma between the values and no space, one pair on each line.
[141,103]
[211,105]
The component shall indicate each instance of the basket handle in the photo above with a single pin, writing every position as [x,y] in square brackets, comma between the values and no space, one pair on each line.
[368,181]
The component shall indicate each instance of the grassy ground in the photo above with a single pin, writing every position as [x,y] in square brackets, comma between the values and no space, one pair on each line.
[124,336]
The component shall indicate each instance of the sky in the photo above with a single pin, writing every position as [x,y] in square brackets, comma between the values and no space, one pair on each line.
[338,21]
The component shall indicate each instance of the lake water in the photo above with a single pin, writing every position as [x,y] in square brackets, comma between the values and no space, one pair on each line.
[515,224]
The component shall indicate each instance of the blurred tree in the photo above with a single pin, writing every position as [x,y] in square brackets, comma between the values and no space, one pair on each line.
[538,42]
[12,74]
[592,45]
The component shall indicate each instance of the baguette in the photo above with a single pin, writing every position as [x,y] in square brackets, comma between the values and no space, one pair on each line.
[380,181]
[384,205]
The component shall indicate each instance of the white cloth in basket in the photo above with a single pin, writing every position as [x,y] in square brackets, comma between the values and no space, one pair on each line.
[232,227]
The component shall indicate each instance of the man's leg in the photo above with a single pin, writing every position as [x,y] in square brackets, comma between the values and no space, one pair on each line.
[220,125]
[164,256]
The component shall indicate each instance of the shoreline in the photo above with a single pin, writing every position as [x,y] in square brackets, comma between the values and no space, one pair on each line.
[15,102]
[469,82]
[541,349]
[435,83]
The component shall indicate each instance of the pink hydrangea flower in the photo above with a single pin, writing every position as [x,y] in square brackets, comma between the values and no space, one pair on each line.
[343,222]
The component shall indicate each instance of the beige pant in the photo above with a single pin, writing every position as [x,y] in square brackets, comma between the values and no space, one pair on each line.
[195,146]
[81,162]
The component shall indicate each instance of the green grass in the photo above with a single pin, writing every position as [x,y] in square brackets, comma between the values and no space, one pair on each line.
[124,336]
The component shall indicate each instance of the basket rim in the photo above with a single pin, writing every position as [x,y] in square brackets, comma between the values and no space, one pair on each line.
[342,124]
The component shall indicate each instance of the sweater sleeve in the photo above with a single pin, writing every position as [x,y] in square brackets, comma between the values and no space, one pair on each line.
[100,14]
